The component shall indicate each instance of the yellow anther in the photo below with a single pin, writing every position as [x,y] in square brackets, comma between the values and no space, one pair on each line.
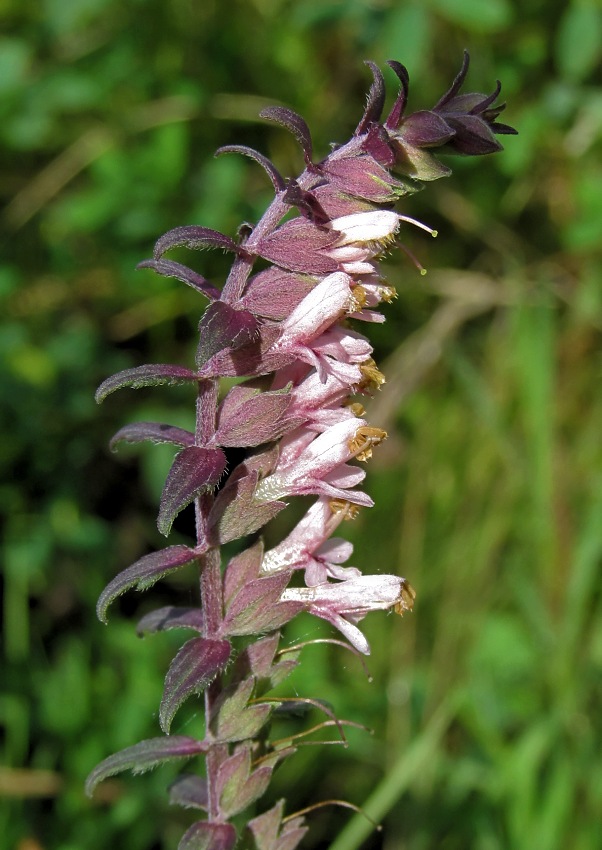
[364,440]
[358,299]
[373,377]
[356,408]
[338,506]
[407,595]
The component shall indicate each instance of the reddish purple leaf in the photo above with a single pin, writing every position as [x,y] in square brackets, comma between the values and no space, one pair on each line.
[169,268]
[235,512]
[241,569]
[144,573]
[144,756]
[300,246]
[268,166]
[195,237]
[195,666]
[170,617]
[251,359]
[375,101]
[271,834]
[208,836]
[150,375]
[233,719]
[189,791]
[249,417]
[156,432]
[425,129]
[223,327]
[294,123]
[274,293]
[257,608]
[195,470]
[236,786]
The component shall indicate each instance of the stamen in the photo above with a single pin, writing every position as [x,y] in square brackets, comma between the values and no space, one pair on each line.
[407,595]
[356,408]
[358,299]
[338,506]
[373,377]
[364,440]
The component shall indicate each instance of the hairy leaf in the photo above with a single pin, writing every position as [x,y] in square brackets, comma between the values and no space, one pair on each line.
[195,470]
[271,834]
[156,432]
[241,569]
[248,417]
[257,607]
[143,574]
[208,836]
[144,756]
[233,719]
[169,268]
[150,375]
[223,327]
[236,786]
[294,123]
[196,665]
[195,237]
[236,513]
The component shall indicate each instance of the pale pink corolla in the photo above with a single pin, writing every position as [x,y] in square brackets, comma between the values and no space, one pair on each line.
[304,329]
[308,547]
[321,468]
[345,603]
[320,403]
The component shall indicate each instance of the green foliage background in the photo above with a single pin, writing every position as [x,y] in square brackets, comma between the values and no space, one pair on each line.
[486,701]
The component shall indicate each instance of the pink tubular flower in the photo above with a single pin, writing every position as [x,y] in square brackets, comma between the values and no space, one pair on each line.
[344,604]
[320,469]
[302,334]
[308,547]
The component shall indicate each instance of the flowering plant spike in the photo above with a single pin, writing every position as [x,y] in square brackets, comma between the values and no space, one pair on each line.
[285,332]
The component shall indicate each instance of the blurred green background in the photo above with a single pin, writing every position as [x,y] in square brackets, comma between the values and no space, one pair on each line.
[486,701]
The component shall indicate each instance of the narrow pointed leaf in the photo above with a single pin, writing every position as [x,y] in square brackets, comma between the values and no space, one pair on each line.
[236,513]
[192,236]
[268,166]
[298,245]
[375,101]
[150,375]
[224,327]
[274,293]
[195,470]
[155,432]
[208,836]
[144,756]
[257,607]
[248,417]
[195,666]
[170,617]
[398,107]
[233,719]
[294,123]
[144,573]
[241,569]
[169,268]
